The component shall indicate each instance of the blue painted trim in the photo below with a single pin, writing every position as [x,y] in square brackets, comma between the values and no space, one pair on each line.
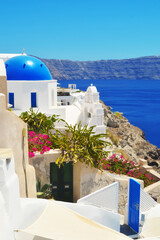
[33,99]
[11,99]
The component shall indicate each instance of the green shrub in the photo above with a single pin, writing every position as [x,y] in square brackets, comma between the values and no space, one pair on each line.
[38,122]
[45,191]
[113,138]
[80,144]
[119,115]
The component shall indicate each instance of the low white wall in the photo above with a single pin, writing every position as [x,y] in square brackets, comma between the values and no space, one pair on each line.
[154,191]
[99,215]
[73,114]
[6,231]
[93,179]
[31,210]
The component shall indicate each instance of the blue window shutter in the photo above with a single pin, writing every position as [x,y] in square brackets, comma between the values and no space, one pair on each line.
[11,99]
[33,99]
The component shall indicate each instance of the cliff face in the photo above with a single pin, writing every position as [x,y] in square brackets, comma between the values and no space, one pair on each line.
[137,68]
[130,140]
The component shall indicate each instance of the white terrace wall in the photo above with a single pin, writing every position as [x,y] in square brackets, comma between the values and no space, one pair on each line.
[85,179]
[154,191]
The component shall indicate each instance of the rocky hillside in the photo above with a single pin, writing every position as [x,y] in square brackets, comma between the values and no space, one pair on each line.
[137,68]
[129,140]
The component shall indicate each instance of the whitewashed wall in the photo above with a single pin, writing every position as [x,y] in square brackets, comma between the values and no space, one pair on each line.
[2,68]
[46,94]
[88,112]
[6,56]
[93,113]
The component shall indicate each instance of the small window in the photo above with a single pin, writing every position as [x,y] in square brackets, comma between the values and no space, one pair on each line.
[33,99]
[11,99]
[89,115]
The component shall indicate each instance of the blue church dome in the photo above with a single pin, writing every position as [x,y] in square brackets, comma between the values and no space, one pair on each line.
[26,68]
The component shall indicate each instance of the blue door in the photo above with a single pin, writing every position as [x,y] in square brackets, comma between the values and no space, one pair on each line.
[11,99]
[33,99]
[134,205]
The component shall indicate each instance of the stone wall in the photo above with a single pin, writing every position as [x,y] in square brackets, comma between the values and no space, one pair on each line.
[41,163]
[85,178]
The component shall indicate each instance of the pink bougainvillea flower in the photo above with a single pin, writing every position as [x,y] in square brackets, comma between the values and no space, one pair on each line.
[34,149]
[38,143]
[31,154]
[31,133]
[49,143]
[119,165]
[45,136]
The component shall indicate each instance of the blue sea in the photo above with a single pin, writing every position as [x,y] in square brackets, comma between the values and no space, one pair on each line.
[139,100]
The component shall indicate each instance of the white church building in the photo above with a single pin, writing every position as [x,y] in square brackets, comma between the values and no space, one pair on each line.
[30,84]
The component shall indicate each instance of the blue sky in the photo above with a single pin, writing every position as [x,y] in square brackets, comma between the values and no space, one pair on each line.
[81,29]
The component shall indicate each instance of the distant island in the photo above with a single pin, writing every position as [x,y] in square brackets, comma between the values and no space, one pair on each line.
[134,68]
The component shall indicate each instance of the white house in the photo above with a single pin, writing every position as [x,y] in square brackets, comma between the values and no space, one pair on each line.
[30,84]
